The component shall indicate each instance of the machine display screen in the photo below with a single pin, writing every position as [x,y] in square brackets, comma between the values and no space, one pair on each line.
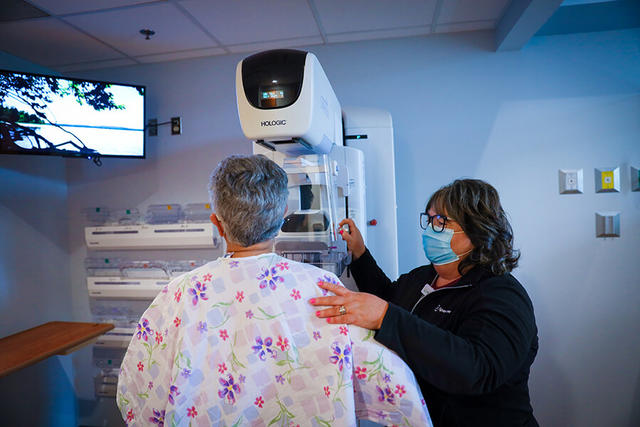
[273,94]
[273,79]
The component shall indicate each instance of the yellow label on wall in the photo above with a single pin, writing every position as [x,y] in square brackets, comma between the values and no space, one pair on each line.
[607,180]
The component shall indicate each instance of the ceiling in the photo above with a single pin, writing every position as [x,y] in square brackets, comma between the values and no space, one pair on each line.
[71,35]
[581,16]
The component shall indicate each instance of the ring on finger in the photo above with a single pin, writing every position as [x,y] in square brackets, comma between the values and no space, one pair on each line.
[342,310]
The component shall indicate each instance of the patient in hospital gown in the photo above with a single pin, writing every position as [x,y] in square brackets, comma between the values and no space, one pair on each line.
[235,341]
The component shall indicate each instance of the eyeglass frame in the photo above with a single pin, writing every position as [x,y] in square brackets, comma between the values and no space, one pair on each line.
[430,221]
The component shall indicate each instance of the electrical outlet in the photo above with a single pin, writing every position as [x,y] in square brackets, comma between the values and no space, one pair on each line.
[176,126]
[152,126]
[570,181]
[635,179]
[607,224]
[607,180]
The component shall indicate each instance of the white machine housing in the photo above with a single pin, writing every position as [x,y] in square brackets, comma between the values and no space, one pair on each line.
[371,132]
[287,106]
[286,102]
[152,236]
[106,383]
[125,287]
[116,338]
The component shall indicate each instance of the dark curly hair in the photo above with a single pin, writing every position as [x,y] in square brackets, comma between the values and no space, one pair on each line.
[475,205]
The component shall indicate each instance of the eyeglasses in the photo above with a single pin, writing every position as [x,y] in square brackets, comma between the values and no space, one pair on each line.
[438,222]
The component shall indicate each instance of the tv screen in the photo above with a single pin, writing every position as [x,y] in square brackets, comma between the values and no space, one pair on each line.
[42,114]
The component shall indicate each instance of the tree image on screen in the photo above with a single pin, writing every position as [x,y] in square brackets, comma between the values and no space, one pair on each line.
[26,111]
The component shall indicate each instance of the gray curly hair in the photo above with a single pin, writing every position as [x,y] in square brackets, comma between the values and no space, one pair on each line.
[249,195]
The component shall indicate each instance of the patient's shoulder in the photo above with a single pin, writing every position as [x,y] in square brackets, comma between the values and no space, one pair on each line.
[311,270]
[204,273]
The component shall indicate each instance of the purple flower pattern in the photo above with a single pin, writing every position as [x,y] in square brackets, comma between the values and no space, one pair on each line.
[158,417]
[269,277]
[173,392]
[264,347]
[198,292]
[202,327]
[340,357]
[386,394]
[143,330]
[329,279]
[229,389]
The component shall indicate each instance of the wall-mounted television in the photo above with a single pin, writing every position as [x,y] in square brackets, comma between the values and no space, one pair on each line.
[51,115]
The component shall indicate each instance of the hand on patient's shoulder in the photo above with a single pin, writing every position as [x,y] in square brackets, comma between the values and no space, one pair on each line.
[358,308]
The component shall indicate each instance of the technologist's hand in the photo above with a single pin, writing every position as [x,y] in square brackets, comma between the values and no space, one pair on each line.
[362,309]
[355,242]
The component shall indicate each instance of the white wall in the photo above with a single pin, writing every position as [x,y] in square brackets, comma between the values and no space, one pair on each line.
[460,110]
[35,283]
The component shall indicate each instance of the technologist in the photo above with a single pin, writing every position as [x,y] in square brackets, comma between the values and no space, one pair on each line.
[463,323]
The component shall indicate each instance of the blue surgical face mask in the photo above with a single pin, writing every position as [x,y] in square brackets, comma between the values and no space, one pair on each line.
[437,246]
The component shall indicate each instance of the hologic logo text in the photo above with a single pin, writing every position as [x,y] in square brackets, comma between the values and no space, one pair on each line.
[273,123]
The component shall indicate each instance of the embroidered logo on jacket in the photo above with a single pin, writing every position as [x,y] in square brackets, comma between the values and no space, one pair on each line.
[439,309]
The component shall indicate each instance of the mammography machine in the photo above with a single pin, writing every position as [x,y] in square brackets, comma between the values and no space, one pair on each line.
[334,158]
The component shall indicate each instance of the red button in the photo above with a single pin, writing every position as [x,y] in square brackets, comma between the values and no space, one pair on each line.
[373,222]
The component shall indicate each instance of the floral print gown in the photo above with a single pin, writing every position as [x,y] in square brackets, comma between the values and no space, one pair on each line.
[235,342]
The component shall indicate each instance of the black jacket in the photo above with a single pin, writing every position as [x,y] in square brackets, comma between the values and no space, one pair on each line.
[470,344]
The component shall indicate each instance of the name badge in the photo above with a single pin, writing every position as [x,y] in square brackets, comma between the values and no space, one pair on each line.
[427,290]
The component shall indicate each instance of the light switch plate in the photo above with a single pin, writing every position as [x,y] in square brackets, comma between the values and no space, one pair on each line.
[176,125]
[607,224]
[635,179]
[570,181]
[607,180]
